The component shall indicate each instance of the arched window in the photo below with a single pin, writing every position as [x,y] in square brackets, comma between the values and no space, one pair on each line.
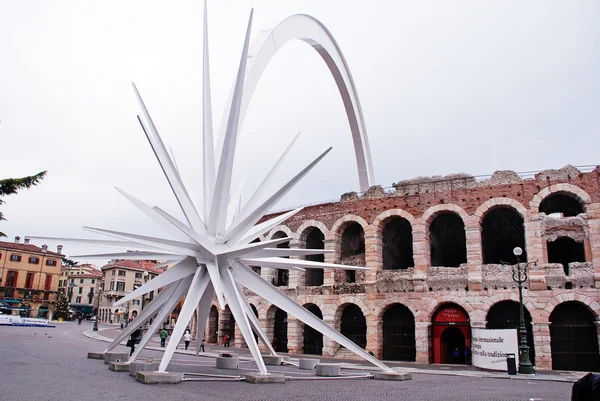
[501,231]
[399,342]
[213,325]
[313,340]
[315,240]
[397,244]
[561,202]
[354,325]
[574,338]
[505,315]
[282,279]
[352,249]
[447,240]
[280,331]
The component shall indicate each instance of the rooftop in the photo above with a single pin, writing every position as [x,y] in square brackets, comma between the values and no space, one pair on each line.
[14,246]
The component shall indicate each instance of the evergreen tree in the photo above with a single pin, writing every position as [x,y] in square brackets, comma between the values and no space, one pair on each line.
[9,186]
[62,306]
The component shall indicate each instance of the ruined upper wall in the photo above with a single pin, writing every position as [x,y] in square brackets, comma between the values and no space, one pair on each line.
[417,195]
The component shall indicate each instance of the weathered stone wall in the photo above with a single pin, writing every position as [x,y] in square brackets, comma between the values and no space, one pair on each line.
[473,286]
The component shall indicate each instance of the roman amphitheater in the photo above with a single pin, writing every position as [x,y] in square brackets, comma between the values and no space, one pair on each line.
[440,250]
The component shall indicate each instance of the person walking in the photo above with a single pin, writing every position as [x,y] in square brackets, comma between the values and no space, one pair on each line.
[228,341]
[202,344]
[163,337]
[225,340]
[187,337]
[135,338]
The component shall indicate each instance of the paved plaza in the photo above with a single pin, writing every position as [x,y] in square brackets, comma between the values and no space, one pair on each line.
[51,364]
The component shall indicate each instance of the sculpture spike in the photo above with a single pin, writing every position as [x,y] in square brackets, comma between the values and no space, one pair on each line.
[218,210]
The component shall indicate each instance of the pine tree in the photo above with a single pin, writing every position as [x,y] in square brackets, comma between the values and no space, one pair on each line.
[9,186]
[62,306]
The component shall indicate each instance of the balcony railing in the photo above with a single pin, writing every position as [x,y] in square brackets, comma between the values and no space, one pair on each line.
[115,293]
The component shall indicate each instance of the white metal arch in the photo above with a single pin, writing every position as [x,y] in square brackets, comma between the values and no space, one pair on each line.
[312,31]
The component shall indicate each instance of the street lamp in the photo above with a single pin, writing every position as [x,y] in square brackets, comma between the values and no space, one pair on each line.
[97,311]
[519,276]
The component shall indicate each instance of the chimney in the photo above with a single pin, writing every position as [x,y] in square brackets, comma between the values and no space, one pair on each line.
[59,248]
[26,241]
[17,239]
[44,248]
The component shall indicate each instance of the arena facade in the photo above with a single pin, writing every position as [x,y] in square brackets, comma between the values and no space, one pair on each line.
[440,250]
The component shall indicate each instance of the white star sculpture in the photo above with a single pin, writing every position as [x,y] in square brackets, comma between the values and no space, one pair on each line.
[210,256]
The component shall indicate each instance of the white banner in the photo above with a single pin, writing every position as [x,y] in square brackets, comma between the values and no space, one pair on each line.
[489,348]
[21,321]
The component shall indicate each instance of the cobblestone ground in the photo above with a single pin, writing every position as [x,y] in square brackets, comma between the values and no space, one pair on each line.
[51,364]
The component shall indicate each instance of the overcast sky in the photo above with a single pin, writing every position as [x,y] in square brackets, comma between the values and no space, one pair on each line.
[445,87]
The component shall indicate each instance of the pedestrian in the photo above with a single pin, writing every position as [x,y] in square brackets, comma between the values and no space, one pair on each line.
[456,355]
[228,341]
[163,337]
[187,337]
[79,319]
[202,344]
[225,340]
[135,338]
[466,355]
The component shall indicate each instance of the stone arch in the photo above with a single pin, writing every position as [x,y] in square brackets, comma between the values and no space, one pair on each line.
[380,311]
[301,231]
[343,301]
[583,197]
[433,211]
[505,296]
[284,229]
[380,221]
[438,303]
[495,202]
[590,303]
[341,222]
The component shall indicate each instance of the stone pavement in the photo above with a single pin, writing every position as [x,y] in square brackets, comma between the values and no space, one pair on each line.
[108,334]
[51,364]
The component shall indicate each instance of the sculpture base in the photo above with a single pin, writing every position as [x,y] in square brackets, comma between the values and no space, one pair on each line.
[159,377]
[308,364]
[392,376]
[135,367]
[272,360]
[328,369]
[119,366]
[227,363]
[116,357]
[257,378]
[95,355]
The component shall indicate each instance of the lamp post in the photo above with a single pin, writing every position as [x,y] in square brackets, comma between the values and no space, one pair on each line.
[519,276]
[97,311]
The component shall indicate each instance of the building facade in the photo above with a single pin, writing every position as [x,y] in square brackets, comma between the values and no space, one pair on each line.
[29,278]
[81,284]
[118,279]
[440,253]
